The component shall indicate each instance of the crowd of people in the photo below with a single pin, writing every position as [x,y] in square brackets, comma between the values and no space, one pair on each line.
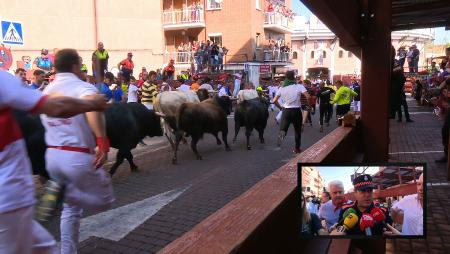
[430,88]
[334,214]
[207,56]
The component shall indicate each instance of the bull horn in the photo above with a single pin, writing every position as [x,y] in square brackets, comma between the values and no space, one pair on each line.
[160,114]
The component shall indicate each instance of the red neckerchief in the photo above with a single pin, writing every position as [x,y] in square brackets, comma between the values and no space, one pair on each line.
[344,201]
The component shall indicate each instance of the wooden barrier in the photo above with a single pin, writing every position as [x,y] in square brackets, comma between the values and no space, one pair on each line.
[264,219]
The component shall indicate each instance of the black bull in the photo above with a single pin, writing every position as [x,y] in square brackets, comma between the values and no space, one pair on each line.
[251,114]
[126,125]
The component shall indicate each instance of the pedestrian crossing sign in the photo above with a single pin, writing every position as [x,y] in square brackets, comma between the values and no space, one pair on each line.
[12,33]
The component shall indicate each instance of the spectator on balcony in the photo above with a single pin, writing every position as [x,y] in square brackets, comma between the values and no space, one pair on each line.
[180,53]
[409,59]
[415,58]
[169,70]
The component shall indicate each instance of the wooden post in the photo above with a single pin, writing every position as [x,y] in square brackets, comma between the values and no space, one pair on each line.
[376,73]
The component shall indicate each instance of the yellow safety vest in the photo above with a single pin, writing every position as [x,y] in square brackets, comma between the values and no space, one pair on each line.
[101,55]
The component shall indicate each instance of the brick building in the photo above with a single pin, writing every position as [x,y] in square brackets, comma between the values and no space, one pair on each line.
[243,27]
[316,50]
[312,182]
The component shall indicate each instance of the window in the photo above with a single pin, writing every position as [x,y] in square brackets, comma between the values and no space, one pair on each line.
[257,41]
[214,4]
[324,54]
[258,6]
[294,55]
[312,54]
[350,54]
[341,53]
[216,38]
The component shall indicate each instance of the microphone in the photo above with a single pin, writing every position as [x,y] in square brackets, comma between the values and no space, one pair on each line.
[350,221]
[366,223]
[378,216]
[346,213]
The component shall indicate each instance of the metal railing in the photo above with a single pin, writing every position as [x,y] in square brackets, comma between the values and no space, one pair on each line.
[186,16]
[180,57]
[276,18]
[277,56]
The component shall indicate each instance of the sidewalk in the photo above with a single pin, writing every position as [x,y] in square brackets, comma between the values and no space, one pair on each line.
[420,141]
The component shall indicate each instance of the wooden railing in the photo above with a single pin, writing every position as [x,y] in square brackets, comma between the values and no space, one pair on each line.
[264,219]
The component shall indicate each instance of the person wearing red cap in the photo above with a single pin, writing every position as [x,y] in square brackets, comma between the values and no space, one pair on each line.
[127,66]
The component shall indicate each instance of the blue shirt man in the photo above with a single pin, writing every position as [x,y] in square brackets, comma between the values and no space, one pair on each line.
[104,89]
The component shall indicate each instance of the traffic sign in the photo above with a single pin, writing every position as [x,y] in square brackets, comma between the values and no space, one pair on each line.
[12,33]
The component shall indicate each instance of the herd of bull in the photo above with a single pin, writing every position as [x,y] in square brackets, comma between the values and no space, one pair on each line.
[177,115]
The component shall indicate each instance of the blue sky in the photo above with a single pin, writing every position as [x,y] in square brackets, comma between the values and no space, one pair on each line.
[442,36]
[342,174]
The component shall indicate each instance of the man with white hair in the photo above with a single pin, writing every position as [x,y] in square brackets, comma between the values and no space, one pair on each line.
[409,211]
[331,209]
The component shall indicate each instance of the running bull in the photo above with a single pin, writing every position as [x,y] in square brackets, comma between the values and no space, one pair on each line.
[126,124]
[208,116]
[251,114]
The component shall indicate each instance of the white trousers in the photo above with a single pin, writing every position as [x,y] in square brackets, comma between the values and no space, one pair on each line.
[20,234]
[86,188]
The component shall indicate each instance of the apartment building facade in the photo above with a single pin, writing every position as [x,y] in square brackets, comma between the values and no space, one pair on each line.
[245,28]
[312,182]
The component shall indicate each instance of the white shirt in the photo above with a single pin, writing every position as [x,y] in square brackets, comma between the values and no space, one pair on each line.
[206,86]
[132,93]
[222,91]
[247,94]
[412,215]
[327,212]
[16,182]
[73,131]
[291,95]
[184,87]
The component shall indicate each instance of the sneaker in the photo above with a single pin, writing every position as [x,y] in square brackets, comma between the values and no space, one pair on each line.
[409,121]
[297,150]
[442,160]
[50,201]
[321,128]
[281,137]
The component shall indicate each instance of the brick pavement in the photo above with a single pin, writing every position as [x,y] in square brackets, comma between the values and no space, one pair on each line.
[424,135]
[218,179]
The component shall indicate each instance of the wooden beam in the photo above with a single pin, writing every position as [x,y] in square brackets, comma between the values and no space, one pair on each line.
[341,17]
[437,5]
[376,71]
[398,190]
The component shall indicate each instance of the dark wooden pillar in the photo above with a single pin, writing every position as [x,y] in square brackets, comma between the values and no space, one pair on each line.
[376,82]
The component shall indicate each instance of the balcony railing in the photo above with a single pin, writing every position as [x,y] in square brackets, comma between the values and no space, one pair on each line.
[184,18]
[277,56]
[180,57]
[278,20]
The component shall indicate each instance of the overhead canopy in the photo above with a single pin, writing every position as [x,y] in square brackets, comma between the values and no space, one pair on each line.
[345,19]
[390,176]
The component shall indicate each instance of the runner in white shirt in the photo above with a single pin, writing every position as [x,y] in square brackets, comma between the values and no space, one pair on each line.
[132,91]
[290,93]
[71,157]
[19,233]
[184,87]
[412,207]
[206,85]
[249,93]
